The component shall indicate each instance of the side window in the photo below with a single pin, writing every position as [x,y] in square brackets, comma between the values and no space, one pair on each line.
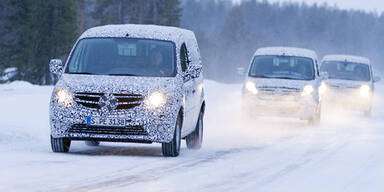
[184,57]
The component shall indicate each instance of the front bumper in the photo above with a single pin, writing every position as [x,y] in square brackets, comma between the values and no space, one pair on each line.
[303,108]
[347,100]
[144,125]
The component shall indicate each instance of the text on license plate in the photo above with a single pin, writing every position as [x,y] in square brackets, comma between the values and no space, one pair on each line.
[99,121]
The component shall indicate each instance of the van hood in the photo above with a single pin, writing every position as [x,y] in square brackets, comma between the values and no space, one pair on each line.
[117,84]
[281,83]
[339,83]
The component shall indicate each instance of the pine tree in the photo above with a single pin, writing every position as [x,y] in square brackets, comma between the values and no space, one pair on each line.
[168,12]
[42,30]
[161,12]
[111,11]
[234,39]
[3,35]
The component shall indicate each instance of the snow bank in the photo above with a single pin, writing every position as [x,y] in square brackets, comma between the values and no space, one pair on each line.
[9,73]
[24,112]
[16,85]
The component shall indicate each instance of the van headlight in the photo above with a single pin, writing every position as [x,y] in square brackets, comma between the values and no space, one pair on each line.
[323,88]
[307,90]
[156,100]
[64,97]
[365,91]
[251,87]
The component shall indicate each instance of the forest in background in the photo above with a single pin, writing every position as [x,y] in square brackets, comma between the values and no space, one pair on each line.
[229,34]
[33,31]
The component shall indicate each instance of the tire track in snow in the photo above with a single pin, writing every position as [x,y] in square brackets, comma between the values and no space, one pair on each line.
[271,172]
[150,175]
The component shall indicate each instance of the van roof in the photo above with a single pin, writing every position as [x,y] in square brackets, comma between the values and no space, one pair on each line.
[139,31]
[288,51]
[349,58]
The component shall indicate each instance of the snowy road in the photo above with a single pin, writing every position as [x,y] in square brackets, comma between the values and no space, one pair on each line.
[344,154]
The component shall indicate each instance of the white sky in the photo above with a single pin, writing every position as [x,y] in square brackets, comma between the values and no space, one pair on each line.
[367,5]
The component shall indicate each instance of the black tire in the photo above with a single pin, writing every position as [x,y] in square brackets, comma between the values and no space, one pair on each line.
[92,143]
[60,145]
[195,139]
[172,149]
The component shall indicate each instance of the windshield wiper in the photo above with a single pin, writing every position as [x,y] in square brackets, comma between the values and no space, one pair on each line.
[81,73]
[289,78]
[277,77]
[122,74]
[261,76]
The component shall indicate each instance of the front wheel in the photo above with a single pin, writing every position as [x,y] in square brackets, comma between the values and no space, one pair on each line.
[195,139]
[172,149]
[60,145]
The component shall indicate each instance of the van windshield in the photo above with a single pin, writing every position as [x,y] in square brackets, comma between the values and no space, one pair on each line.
[123,57]
[346,70]
[282,67]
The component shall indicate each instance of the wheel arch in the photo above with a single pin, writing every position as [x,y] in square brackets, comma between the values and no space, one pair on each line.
[202,108]
[181,115]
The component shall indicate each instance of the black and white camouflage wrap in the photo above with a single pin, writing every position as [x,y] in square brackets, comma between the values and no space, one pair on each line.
[158,123]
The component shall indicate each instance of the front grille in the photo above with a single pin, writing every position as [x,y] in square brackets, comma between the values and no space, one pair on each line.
[127,130]
[93,100]
[128,101]
[278,93]
[343,87]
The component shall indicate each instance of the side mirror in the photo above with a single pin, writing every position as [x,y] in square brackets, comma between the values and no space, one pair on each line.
[194,71]
[56,66]
[324,75]
[376,79]
[241,71]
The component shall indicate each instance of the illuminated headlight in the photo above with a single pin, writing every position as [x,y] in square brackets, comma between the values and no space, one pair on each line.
[156,100]
[323,88]
[200,87]
[64,97]
[251,87]
[307,90]
[365,91]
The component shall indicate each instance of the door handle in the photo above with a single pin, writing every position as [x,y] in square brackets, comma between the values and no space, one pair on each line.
[194,91]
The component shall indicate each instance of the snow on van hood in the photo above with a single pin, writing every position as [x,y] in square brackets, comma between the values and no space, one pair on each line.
[117,84]
[345,83]
[281,83]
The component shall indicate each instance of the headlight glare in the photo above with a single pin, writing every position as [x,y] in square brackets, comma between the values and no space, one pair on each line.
[323,88]
[64,97]
[156,100]
[251,87]
[307,90]
[365,91]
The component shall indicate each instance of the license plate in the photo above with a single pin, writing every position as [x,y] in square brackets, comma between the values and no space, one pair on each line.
[100,121]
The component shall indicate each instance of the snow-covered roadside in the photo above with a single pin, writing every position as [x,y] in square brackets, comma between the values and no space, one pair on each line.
[343,154]
[24,113]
